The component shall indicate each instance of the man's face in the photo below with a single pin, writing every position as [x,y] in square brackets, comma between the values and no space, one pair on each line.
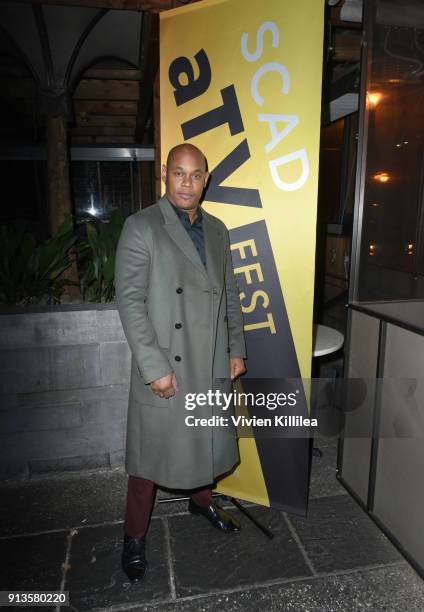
[185,179]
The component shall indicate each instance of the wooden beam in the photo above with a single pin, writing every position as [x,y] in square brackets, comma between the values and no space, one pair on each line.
[117,74]
[102,131]
[108,140]
[149,68]
[118,140]
[99,89]
[58,172]
[146,184]
[112,107]
[60,203]
[85,120]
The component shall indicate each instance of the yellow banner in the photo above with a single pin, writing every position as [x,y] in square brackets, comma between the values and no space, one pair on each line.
[242,81]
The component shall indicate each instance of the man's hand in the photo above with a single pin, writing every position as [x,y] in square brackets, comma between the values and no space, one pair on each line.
[237,367]
[166,386]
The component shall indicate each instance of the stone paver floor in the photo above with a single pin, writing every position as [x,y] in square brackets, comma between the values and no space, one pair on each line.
[65,532]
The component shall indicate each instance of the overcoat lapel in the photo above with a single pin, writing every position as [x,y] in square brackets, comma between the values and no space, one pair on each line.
[179,235]
[214,247]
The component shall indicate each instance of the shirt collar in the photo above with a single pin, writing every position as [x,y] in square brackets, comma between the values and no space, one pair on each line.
[183,216]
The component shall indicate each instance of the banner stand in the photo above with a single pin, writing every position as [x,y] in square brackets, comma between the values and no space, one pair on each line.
[223,89]
[251,518]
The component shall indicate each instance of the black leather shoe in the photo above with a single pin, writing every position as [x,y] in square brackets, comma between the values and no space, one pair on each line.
[134,561]
[217,516]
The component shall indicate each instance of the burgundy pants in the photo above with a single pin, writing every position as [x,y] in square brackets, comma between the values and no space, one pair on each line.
[140,501]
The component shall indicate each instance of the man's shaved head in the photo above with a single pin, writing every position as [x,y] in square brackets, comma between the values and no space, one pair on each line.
[185,176]
[186,147]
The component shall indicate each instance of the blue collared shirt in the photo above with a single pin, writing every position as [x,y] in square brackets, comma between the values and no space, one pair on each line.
[194,230]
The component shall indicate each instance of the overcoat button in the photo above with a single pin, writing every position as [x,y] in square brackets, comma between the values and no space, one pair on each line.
[179,290]
[178,326]
[177,358]
[228,349]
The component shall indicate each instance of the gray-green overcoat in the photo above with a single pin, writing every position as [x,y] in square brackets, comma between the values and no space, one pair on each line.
[177,316]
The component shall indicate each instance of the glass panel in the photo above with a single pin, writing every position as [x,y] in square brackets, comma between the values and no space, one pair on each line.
[330,169]
[101,187]
[391,257]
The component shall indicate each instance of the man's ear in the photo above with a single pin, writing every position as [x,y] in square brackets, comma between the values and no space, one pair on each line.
[164,173]
[207,175]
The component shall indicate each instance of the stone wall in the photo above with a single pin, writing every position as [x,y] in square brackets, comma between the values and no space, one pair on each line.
[64,377]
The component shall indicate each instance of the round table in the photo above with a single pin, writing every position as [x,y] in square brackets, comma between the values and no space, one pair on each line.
[326,340]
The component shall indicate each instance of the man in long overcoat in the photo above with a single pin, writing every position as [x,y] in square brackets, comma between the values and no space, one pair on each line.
[180,309]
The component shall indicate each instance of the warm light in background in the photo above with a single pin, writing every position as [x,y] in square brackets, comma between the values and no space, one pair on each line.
[394,80]
[382,177]
[409,249]
[375,204]
[373,99]
[371,249]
